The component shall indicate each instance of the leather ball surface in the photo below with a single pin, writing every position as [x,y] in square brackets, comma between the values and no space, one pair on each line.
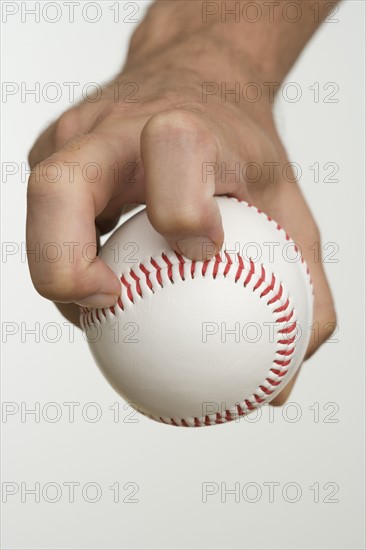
[202,343]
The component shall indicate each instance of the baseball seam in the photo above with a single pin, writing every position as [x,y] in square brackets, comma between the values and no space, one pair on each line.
[151,276]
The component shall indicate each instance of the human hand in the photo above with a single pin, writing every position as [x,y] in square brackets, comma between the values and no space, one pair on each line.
[161,142]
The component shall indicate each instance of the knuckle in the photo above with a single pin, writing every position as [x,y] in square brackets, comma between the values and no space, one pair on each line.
[44,174]
[66,126]
[60,284]
[180,124]
[112,110]
[180,220]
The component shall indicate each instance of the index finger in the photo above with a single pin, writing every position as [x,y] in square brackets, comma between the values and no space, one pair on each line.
[63,202]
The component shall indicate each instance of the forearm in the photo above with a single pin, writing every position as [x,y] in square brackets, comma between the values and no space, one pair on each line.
[267,36]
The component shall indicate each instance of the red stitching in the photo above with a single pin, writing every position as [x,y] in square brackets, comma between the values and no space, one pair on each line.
[137,280]
[219,419]
[128,286]
[278,372]
[287,342]
[89,317]
[240,268]
[277,297]
[251,272]
[170,266]
[269,287]
[181,265]
[273,382]
[266,390]
[228,264]
[285,353]
[158,271]
[258,399]
[204,267]
[216,265]
[289,329]
[228,416]
[286,318]
[261,280]
[282,308]
[278,227]
[282,363]
[147,274]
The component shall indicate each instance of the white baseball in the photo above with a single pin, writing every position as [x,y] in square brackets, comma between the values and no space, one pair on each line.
[201,343]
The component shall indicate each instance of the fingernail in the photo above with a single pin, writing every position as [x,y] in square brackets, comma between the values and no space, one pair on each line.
[98,301]
[197,248]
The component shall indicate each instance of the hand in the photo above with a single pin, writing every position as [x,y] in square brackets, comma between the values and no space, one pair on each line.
[164,138]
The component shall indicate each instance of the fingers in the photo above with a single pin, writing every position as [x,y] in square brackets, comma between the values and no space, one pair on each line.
[325,317]
[283,396]
[67,126]
[305,233]
[180,205]
[66,192]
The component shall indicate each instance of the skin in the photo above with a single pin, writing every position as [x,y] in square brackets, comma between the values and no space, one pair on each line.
[167,135]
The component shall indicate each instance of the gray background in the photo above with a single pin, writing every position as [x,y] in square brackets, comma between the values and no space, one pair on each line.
[169,466]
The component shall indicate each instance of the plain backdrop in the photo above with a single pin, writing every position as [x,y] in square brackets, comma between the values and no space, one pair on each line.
[311,453]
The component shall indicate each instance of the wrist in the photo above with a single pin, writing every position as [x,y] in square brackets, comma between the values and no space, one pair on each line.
[266,37]
[237,44]
[209,70]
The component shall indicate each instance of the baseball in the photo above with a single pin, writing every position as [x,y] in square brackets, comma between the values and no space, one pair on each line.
[199,343]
